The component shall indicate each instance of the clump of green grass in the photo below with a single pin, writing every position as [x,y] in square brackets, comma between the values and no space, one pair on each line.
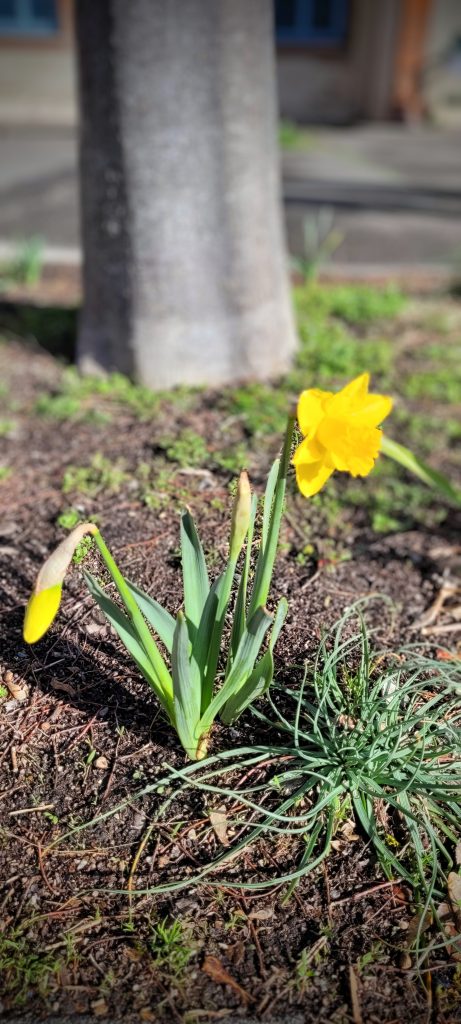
[358,304]
[68,519]
[24,967]
[6,427]
[292,136]
[25,267]
[392,500]
[261,408]
[441,384]
[170,946]
[231,460]
[5,472]
[187,450]
[100,475]
[369,734]
[58,407]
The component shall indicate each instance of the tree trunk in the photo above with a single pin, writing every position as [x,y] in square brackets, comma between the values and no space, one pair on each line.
[185,278]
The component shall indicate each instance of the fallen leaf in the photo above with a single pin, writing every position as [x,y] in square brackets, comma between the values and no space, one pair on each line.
[418,925]
[261,915]
[100,1007]
[218,820]
[454,894]
[133,954]
[147,1014]
[18,691]
[447,917]
[217,972]
[447,656]
[348,831]
[400,894]
[56,684]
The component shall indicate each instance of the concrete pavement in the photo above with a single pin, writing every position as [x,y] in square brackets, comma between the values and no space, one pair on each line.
[394,191]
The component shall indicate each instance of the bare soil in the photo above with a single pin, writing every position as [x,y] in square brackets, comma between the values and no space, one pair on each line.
[82,732]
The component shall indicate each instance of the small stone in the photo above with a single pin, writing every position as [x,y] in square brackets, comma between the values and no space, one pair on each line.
[405,961]
[101,763]
[93,628]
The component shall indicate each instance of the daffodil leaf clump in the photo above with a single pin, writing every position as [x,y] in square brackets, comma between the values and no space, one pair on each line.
[198,681]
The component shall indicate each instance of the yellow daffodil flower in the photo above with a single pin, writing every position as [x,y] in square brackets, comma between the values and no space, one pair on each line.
[45,599]
[341,431]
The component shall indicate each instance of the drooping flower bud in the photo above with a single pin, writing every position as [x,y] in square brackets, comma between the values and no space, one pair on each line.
[241,514]
[45,599]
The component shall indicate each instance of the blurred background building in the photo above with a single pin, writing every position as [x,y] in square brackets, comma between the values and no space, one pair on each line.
[358,73]
[338,61]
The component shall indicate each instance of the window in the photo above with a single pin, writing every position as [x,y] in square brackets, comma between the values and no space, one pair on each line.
[28,17]
[311,22]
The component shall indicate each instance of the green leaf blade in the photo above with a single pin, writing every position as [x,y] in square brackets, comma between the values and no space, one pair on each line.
[186,688]
[261,677]
[195,574]
[161,621]
[201,645]
[129,637]
[242,666]
[399,453]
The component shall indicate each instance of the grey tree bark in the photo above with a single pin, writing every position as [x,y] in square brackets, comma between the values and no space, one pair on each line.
[185,277]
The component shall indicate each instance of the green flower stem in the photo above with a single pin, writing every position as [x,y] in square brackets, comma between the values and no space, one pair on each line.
[215,640]
[143,631]
[267,555]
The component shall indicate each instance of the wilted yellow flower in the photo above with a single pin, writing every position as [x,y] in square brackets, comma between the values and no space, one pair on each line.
[340,432]
[45,599]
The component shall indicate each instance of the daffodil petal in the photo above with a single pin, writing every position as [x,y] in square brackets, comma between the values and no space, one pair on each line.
[40,612]
[351,446]
[373,410]
[308,451]
[311,410]
[351,398]
[311,477]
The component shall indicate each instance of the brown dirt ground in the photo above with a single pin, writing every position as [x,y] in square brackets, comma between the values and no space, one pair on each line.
[82,695]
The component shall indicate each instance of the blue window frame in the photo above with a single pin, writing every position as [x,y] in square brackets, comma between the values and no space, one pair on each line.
[28,17]
[311,22]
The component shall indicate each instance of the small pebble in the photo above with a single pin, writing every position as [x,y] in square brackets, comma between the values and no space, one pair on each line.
[101,763]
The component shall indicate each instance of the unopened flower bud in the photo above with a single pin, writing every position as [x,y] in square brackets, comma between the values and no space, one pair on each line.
[45,599]
[241,514]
